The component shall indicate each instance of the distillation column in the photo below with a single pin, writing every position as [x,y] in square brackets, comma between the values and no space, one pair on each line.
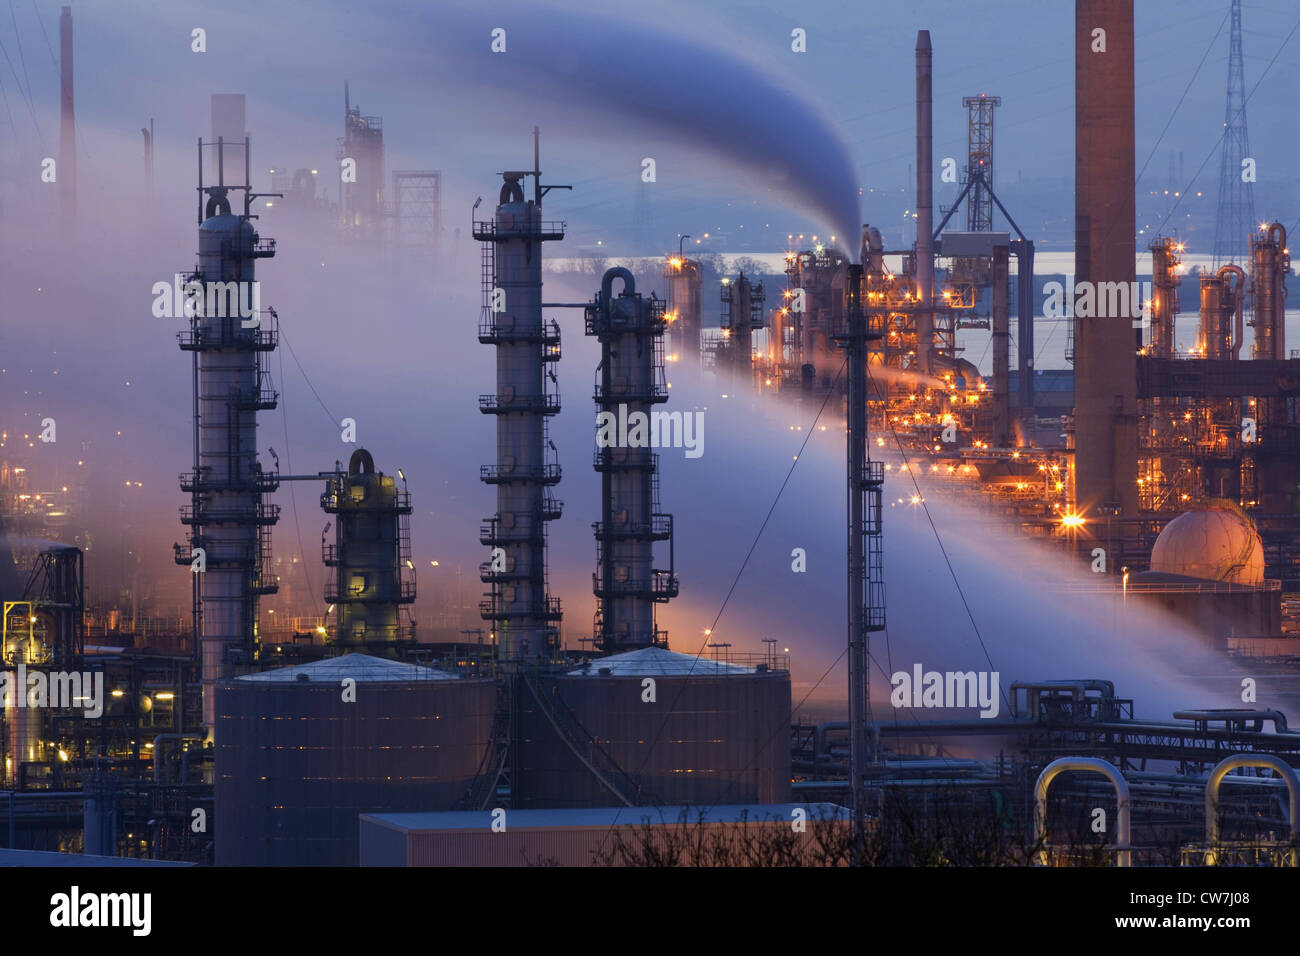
[629,384]
[1270,263]
[743,313]
[866,582]
[685,290]
[229,518]
[1222,299]
[524,615]
[371,554]
[1164,303]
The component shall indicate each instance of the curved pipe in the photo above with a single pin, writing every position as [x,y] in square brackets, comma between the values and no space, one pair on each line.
[511,191]
[218,205]
[1123,823]
[361,463]
[820,746]
[1238,328]
[967,369]
[607,283]
[1221,770]
[158,749]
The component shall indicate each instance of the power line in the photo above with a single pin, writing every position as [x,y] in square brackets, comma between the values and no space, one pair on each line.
[731,590]
[944,551]
[333,421]
[1215,147]
[31,108]
[293,499]
[18,38]
[53,58]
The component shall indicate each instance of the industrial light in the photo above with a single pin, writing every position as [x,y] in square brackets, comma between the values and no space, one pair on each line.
[1072,521]
[115,693]
[164,695]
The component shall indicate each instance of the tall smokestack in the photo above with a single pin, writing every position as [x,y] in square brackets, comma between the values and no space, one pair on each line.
[67,170]
[1105,389]
[228,118]
[924,202]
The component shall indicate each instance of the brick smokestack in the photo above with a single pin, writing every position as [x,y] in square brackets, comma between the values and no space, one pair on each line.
[1105,362]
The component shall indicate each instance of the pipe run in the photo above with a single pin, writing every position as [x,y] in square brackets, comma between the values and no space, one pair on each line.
[1238,300]
[1236,761]
[158,749]
[1123,821]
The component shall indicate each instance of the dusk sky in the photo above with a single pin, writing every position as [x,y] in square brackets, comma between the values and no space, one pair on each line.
[397,350]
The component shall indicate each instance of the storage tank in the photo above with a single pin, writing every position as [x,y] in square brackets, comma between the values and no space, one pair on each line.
[1215,541]
[715,733]
[300,754]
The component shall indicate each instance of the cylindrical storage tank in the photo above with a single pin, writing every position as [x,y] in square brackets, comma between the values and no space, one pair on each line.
[714,734]
[24,738]
[300,755]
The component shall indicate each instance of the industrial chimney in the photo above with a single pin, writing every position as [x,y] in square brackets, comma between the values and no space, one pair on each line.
[67,170]
[924,203]
[630,383]
[1105,346]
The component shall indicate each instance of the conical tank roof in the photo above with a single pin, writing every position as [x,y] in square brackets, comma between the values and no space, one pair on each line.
[657,662]
[358,667]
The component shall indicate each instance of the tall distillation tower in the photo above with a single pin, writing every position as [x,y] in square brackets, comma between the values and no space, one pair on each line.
[524,616]
[229,339]
[685,288]
[630,382]
[742,314]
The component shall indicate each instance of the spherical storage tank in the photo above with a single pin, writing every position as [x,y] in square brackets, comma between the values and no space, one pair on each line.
[715,733]
[296,763]
[1215,541]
